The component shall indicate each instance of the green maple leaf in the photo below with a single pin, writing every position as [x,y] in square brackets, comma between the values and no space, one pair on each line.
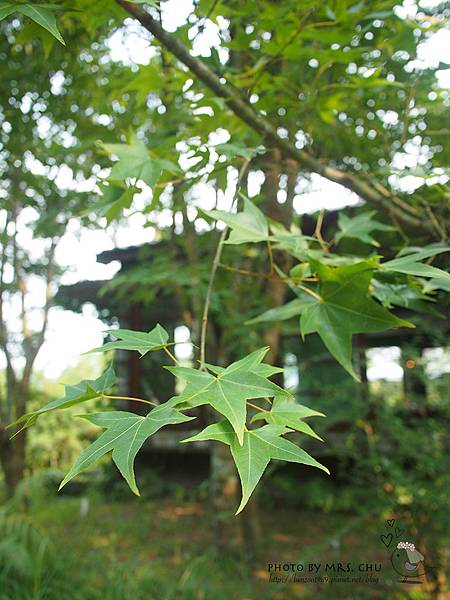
[230,150]
[134,161]
[410,264]
[284,312]
[114,199]
[227,390]
[258,448]
[360,227]
[287,413]
[88,389]
[292,241]
[128,339]
[252,362]
[124,434]
[345,307]
[250,225]
[39,14]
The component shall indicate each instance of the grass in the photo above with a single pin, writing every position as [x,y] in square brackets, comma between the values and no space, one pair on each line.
[164,550]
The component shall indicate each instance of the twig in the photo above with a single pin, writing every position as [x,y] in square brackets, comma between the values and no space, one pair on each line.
[283,48]
[441,231]
[264,275]
[215,265]
[318,232]
[286,280]
[269,250]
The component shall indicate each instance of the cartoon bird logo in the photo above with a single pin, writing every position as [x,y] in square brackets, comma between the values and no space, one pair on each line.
[408,562]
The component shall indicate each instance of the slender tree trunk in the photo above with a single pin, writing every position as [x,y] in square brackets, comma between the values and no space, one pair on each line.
[12,459]
[283,214]
[12,451]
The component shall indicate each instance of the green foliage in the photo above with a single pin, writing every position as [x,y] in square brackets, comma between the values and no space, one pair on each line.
[325,77]
[345,308]
[227,390]
[125,434]
[360,227]
[254,454]
[29,565]
[40,14]
[133,161]
[250,225]
[287,413]
[409,263]
[87,389]
[281,313]
[136,340]
[224,389]
[345,300]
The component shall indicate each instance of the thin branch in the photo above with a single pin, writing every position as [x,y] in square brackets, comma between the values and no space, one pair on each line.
[265,275]
[216,261]
[283,48]
[261,124]
[318,232]
[269,251]
[286,280]
[441,230]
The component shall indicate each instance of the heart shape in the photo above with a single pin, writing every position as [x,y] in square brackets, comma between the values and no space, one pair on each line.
[398,531]
[390,522]
[386,539]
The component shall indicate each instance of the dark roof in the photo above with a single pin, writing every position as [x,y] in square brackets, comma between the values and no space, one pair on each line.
[130,253]
[72,297]
[125,255]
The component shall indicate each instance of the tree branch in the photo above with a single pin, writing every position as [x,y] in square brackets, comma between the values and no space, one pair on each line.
[262,126]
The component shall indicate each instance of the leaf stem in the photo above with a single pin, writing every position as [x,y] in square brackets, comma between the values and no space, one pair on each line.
[308,291]
[169,353]
[130,398]
[216,261]
[257,407]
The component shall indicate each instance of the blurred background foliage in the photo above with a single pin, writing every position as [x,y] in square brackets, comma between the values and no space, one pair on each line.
[95,541]
[337,77]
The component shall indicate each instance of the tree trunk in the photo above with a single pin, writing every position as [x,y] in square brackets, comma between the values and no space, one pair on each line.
[282,213]
[414,378]
[12,451]
[12,458]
